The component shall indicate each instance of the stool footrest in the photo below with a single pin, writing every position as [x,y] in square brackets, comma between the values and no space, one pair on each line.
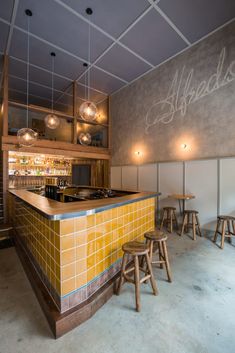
[145,278]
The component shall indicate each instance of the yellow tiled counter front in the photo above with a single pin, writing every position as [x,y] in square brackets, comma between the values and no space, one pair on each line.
[76,256]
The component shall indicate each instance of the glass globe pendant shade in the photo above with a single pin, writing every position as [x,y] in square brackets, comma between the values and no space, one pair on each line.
[85,139]
[88,111]
[27,137]
[52,121]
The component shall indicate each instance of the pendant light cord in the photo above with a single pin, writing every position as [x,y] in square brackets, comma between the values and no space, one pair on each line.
[89,60]
[27,111]
[52,84]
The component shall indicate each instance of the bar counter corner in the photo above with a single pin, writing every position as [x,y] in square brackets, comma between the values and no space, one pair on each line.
[72,252]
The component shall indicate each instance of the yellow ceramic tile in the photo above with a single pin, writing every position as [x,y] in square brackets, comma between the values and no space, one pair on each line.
[67,242]
[80,223]
[91,247]
[108,238]
[100,243]
[91,261]
[100,230]
[120,211]
[91,274]
[68,271]
[107,250]
[81,280]
[114,213]
[100,268]
[107,216]
[81,238]
[67,226]
[99,218]
[99,256]
[90,221]
[107,262]
[68,286]
[108,227]
[68,256]
[81,266]
[91,234]
[81,252]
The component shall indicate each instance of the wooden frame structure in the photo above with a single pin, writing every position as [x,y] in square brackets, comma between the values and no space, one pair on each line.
[10,143]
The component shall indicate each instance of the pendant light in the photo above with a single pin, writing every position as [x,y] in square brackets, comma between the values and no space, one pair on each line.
[27,136]
[51,120]
[85,138]
[87,109]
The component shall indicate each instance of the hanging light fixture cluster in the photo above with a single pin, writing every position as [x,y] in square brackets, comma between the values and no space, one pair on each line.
[51,120]
[88,109]
[27,136]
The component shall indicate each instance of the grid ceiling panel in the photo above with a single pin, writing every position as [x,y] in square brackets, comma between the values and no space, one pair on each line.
[112,16]
[63,29]
[197,18]
[4,29]
[103,82]
[65,64]
[153,38]
[123,63]
[6,7]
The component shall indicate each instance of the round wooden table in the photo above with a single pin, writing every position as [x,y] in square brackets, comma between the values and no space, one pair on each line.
[181,199]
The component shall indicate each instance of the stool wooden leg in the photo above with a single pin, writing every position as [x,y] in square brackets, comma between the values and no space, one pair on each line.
[198,226]
[223,234]
[184,223]
[194,226]
[229,231]
[121,280]
[137,283]
[152,280]
[171,221]
[176,222]
[216,231]
[168,270]
[163,218]
[151,250]
[160,253]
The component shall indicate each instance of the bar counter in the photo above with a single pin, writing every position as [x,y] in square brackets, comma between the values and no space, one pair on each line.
[75,249]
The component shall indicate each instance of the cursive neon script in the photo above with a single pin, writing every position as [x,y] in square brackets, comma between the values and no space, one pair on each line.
[179,96]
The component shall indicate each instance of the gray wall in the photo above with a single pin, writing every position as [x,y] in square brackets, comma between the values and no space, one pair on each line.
[188,100]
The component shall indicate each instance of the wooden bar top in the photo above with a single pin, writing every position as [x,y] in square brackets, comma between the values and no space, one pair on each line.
[56,210]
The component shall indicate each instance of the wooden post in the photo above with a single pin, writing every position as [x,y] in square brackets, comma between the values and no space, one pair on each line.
[5,97]
[75,135]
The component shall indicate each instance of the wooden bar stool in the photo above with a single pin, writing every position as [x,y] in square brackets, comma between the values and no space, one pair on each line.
[136,250]
[224,222]
[194,224]
[159,238]
[168,218]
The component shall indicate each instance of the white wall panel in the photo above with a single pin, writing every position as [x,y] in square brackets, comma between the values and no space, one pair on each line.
[201,181]
[116,177]
[129,178]
[148,177]
[227,186]
[170,182]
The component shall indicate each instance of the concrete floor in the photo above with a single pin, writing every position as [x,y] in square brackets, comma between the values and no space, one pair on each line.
[194,314]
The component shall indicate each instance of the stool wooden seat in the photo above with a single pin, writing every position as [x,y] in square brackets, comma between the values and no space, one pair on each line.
[159,238]
[168,218]
[224,222]
[194,224]
[137,250]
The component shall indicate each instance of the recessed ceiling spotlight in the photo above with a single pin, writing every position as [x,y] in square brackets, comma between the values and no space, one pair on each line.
[89,11]
[85,64]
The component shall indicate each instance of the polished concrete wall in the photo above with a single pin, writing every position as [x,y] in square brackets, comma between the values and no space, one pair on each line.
[188,100]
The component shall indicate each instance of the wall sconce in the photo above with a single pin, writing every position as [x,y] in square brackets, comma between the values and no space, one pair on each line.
[184,146]
[138,153]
